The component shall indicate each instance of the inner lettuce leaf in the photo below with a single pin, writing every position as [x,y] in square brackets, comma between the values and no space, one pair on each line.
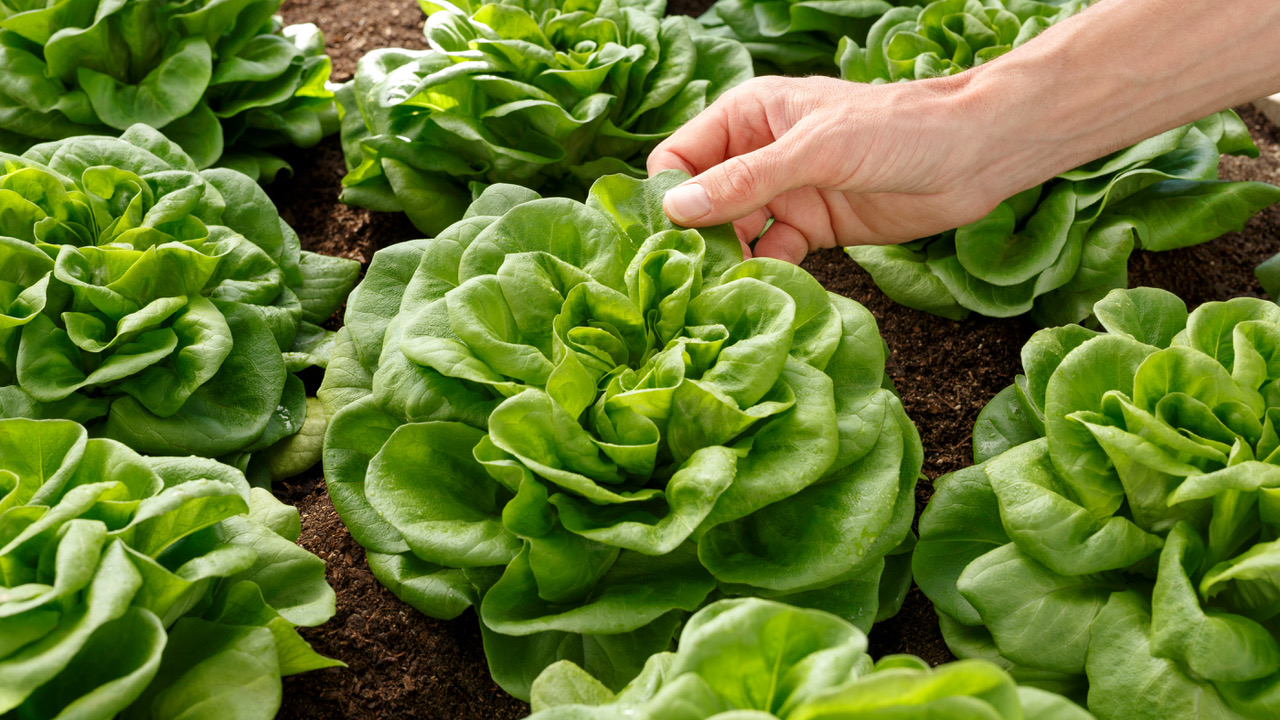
[548,94]
[1118,540]
[752,659]
[162,306]
[145,588]
[1058,248]
[221,78]
[587,423]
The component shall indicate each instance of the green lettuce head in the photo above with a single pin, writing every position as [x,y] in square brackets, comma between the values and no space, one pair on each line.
[165,307]
[1119,538]
[143,588]
[548,94]
[945,37]
[753,659]
[1055,249]
[214,76]
[588,423]
[795,37]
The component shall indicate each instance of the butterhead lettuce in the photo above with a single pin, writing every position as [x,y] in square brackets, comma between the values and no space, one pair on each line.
[1118,538]
[587,423]
[795,37]
[1057,248]
[548,94]
[754,659]
[215,76]
[145,588]
[163,306]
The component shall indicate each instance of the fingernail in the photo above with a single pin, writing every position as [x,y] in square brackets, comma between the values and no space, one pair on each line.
[687,202]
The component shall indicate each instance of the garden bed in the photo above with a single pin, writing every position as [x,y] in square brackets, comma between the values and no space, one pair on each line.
[403,664]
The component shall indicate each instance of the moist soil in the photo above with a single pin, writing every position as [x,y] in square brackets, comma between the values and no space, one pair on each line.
[402,664]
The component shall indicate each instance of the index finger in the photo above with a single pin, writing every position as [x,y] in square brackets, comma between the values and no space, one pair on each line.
[694,146]
[733,125]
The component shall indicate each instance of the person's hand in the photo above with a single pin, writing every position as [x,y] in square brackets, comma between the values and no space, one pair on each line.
[841,163]
[833,163]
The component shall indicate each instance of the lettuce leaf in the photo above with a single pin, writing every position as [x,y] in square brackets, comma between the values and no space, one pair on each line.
[795,37]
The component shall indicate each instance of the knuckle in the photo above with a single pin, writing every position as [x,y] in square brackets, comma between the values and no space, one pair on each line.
[768,83]
[755,89]
[777,92]
[738,178]
[738,92]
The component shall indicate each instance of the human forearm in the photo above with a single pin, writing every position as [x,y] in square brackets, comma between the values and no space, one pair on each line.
[1122,71]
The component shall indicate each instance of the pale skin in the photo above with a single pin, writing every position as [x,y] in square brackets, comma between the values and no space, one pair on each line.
[838,163]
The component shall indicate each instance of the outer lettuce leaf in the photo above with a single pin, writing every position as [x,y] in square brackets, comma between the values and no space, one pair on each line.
[222,79]
[795,37]
[1268,274]
[760,660]
[1054,250]
[587,423]
[139,587]
[162,306]
[1119,535]
[548,95]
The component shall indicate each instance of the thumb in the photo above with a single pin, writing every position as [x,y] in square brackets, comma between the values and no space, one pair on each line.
[736,187]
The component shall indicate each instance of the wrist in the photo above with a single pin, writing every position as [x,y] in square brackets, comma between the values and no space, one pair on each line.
[1027,128]
[1107,78]
[979,155]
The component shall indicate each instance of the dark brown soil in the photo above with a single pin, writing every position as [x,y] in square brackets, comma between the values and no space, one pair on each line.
[945,372]
[405,665]
[1223,268]
[352,29]
[687,7]
[401,663]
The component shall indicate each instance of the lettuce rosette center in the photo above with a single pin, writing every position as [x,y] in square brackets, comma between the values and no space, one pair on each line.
[587,422]
[1129,488]
[166,306]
